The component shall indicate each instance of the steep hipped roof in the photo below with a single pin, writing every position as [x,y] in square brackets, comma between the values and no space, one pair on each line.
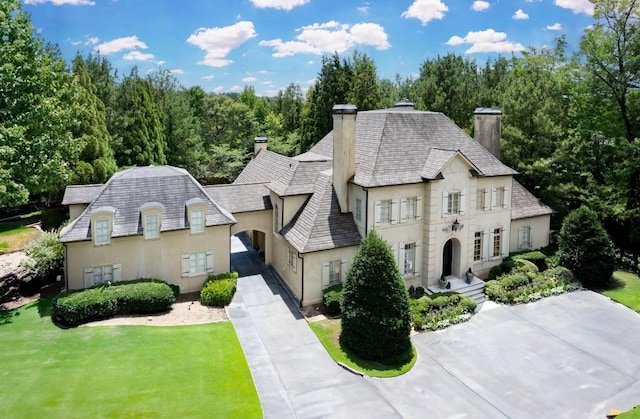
[525,205]
[393,145]
[320,225]
[129,190]
[81,194]
[241,198]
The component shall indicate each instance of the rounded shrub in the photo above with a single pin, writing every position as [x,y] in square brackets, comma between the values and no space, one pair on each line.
[218,290]
[331,297]
[495,272]
[536,257]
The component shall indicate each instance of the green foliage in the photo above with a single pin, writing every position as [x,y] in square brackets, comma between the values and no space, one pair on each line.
[536,257]
[437,311]
[526,284]
[331,297]
[45,256]
[416,292]
[376,318]
[142,296]
[218,290]
[585,248]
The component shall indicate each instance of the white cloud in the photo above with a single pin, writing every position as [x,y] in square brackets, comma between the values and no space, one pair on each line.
[310,62]
[577,6]
[176,71]
[218,89]
[555,27]
[311,81]
[92,40]
[75,43]
[249,79]
[236,88]
[268,83]
[218,42]
[208,77]
[119,44]
[520,15]
[278,4]
[425,10]
[480,5]
[161,62]
[486,41]
[138,56]
[62,2]
[263,72]
[364,10]
[329,37]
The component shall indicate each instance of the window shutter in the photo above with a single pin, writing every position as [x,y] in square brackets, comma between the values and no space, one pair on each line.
[395,211]
[419,208]
[88,277]
[325,274]
[343,269]
[520,238]
[485,245]
[445,202]
[494,197]
[376,213]
[418,258]
[403,210]
[186,265]
[505,242]
[209,261]
[486,199]
[117,272]
[530,237]
[507,198]
[463,201]
[401,258]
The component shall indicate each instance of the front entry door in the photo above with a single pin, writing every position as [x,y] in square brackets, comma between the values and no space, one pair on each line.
[447,256]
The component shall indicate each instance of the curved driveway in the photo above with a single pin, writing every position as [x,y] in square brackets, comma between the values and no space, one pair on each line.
[570,356]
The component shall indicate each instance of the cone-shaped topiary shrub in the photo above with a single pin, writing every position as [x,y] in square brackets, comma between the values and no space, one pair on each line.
[376,315]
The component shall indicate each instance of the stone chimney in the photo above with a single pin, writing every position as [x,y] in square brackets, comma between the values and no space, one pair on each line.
[259,144]
[487,127]
[344,151]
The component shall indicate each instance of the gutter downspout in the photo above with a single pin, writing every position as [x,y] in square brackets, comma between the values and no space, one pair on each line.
[302,284]
[366,212]
[66,267]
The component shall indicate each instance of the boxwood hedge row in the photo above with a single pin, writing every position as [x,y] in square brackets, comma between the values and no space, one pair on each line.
[140,296]
[218,290]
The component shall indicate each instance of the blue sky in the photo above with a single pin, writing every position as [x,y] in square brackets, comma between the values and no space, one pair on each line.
[223,45]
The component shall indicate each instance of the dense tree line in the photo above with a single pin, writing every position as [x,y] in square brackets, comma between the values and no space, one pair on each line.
[571,123]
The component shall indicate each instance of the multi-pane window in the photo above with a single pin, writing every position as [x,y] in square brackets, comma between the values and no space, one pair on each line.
[293,260]
[102,231]
[411,206]
[151,227]
[499,197]
[102,274]
[497,242]
[525,237]
[480,200]
[358,209]
[197,263]
[335,272]
[197,221]
[409,258]
[453,204]
[477,246]
[385,211]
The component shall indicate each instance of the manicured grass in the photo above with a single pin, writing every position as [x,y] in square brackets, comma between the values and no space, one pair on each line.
[328,332]
[121,371]
[630,414]
[625,289]
[14,236]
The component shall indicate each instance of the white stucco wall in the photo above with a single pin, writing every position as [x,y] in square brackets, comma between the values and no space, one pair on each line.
[540,231]
[313,283]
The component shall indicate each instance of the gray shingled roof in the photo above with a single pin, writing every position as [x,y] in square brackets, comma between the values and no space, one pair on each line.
[525,205]
[241,198]
[127,191]
[392,146]
[320,225]
[81,194]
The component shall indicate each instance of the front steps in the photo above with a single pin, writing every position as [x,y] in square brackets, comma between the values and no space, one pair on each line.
[474,290]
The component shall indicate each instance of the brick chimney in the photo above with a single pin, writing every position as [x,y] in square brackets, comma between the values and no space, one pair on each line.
[259,144]
[344,151]
[487,127]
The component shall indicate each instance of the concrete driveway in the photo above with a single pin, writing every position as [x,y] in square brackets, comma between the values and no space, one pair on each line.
[572,356]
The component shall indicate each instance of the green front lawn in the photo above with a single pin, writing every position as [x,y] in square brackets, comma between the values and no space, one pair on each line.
[121,371]
[328,332]
[625,289]
[14,236]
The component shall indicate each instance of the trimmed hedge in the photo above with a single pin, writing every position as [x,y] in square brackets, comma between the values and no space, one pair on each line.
[140,296]
[331,297]
[537,257]
[218,290]
[437,311]
[523,286]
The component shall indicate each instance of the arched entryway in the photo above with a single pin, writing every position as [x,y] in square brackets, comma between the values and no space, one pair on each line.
[451,257]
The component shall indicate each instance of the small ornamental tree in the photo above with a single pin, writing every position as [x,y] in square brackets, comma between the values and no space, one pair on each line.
[376,315]
[585,248]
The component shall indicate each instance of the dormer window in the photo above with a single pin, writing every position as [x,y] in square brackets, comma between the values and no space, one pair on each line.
[151,226]
[102,225]
[197,221]
[102,235]
[197,215]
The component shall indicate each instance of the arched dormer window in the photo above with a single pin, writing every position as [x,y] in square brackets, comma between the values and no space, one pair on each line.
[102,225]
[196,215]
[151,219]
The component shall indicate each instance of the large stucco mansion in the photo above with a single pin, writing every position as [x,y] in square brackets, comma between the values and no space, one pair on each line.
[442,200]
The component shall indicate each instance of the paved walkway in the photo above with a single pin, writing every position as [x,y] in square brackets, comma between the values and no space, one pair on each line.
[572,356]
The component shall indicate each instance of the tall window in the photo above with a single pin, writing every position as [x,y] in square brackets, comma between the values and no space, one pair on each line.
[500,197]
[453,205]
[497,242]
[385,211]
[335,272]
[477,246]
[409,258]
[197,263]
[197,221]
[480,200]
[293,260]
[102,231]
[411,208]
[151,227]
[358,209]
[525,237]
